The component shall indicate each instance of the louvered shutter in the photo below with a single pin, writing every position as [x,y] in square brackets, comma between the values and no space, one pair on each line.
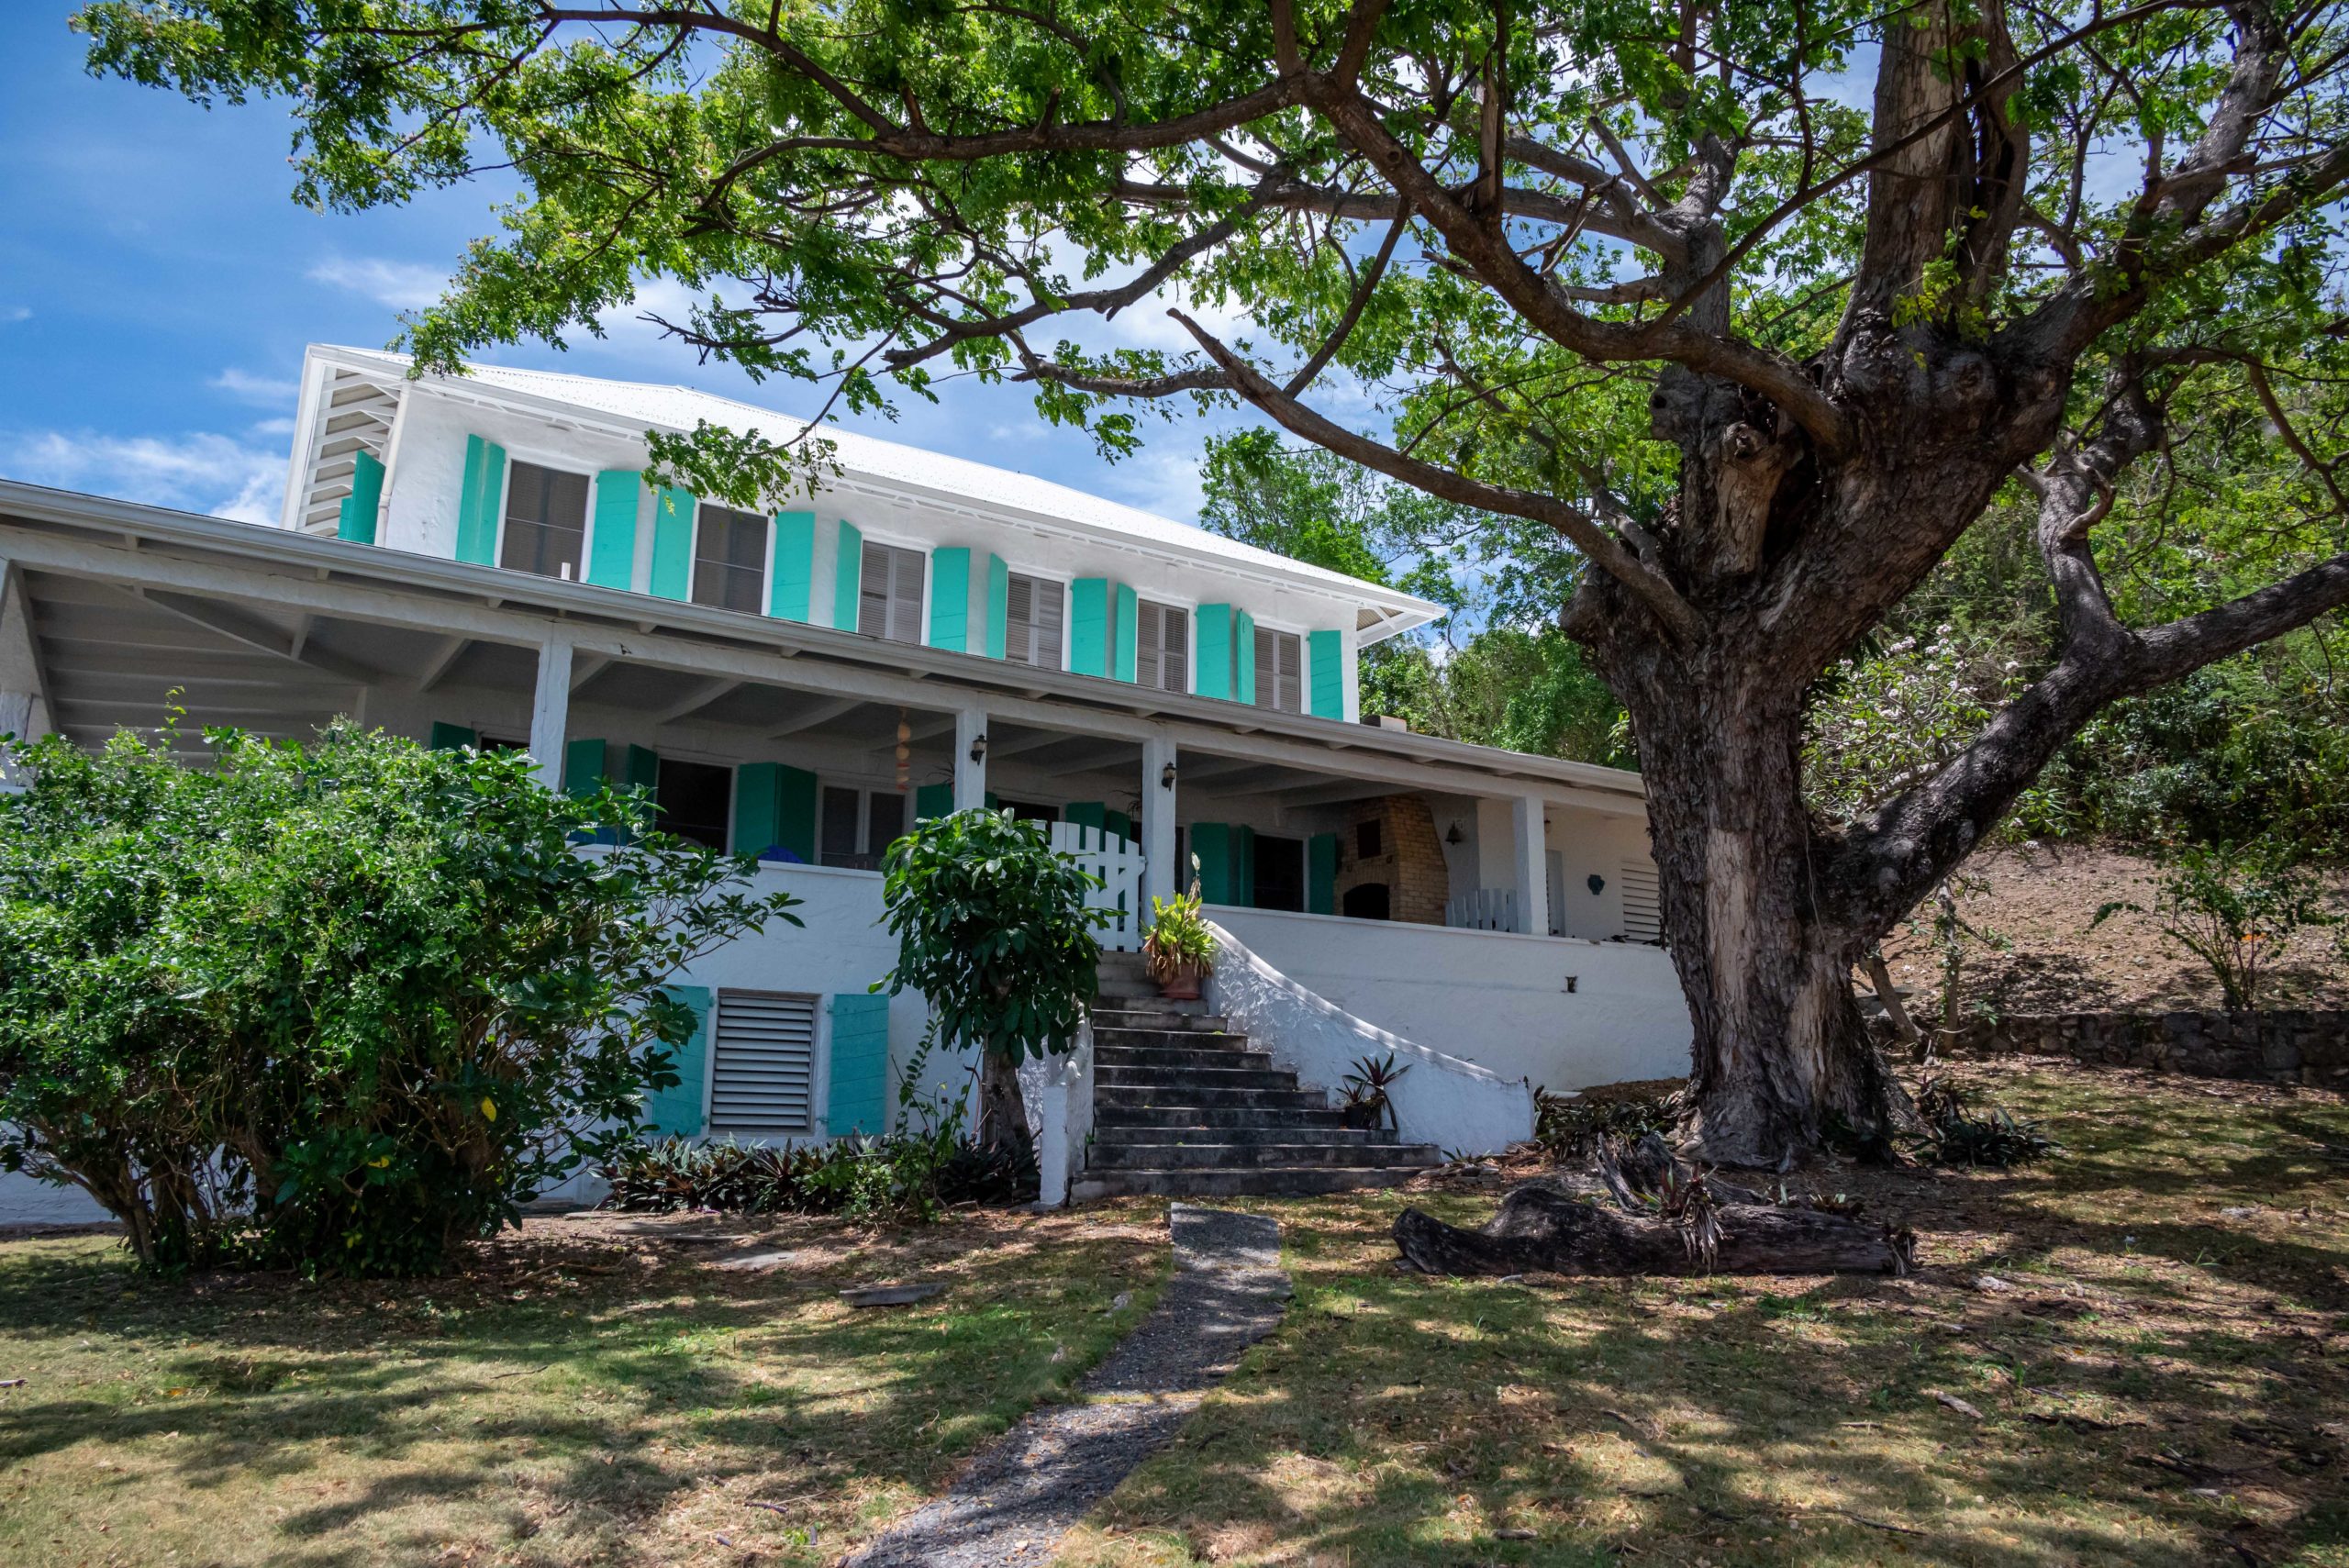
[1020,620]
[1146,638]
[1279,670]
[872,592]
[763,1075]
[1643,902]
[1173,659]
[905,596]
[1049,623]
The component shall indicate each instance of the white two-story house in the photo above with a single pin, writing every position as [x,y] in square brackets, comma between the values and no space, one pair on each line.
[481,561]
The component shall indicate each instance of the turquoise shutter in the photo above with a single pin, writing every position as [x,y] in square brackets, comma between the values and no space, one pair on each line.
[1121,633]
[1084,814]
[450,737]
[1118,822]
[583,766]
[775,807]
[1088,627]
[859,1065]
[611,556]
[477,507]
[1212,633]
[356,520]
[848,576]
[1211,847]
[1321,874]
[794,566]
[672,543]
[1329,676]
[676,1113]
[998,605]
[1243,866]
[1243,657]
[933,800]
[950,598]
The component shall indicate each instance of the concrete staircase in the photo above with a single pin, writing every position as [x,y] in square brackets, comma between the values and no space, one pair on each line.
[1184,1105]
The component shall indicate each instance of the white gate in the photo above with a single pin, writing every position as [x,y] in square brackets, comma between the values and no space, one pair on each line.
[1118,862]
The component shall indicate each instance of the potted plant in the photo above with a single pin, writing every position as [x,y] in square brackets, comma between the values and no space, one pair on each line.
[1368,1105]
[1179,952]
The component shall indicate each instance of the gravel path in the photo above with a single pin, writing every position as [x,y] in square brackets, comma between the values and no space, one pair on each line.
[1021,1496]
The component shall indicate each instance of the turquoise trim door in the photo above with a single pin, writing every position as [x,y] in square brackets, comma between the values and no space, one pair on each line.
[950,598]
[1088,627]
[1211,626]
[858,1097]
[676,1112]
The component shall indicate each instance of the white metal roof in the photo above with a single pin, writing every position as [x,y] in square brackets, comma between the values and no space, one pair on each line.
[896,464]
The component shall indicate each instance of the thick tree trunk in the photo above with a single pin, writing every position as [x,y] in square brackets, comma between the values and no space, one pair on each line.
[1781,1059]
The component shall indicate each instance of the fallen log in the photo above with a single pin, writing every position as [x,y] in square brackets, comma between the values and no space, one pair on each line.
[1668,1221]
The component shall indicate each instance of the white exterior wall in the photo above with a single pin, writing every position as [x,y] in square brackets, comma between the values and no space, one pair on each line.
[1496,999]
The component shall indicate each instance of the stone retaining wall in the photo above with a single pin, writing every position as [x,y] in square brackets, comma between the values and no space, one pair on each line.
[2280,1046]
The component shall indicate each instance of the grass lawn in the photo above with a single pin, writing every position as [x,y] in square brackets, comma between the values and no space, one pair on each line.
[591,1395]
[2160,1381]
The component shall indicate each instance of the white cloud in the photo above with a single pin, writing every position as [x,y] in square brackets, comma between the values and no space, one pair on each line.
[198,472]
[16,313]
[251,388]
[404,285]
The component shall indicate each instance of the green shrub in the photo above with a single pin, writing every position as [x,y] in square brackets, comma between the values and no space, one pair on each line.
[870,1177]
[340,1007]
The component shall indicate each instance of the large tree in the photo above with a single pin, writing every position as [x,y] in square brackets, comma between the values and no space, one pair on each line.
[1758,305]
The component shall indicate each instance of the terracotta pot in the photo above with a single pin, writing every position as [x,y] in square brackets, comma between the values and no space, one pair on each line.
[1183,986]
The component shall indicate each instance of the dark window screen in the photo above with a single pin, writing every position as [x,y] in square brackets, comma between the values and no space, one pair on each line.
[693,798]
[730,559]
[546,521]
[1280,872]
[886,824]
[840,848]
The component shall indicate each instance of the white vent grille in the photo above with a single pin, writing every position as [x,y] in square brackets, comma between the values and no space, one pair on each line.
[762,1074]
[1642,904]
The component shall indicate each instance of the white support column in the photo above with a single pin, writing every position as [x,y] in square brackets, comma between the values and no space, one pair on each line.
[550,711]
[1529,841]
[970,759]
[1161,878]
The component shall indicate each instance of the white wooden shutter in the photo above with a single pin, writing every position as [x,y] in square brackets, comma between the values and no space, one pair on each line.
[1175,665]
[1047,598]
[873,592]
[1280,671]
[1147,617]
[905,596]
[1643,902]
[762,1072]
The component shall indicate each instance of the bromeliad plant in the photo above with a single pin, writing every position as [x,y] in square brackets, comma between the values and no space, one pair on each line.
[1367,1088]
[1179,949]
[341,1006]
[995,931]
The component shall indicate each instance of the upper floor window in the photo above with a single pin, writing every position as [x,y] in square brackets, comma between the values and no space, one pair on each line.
[1163,646]
[546,521]
[1280,671]
[1031,621]
[888,600]
[730,557]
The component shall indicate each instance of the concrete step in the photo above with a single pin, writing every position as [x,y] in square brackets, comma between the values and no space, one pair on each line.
[1124,1053]
[1110,1114]
[1165,1016]
[1121,1077]
[1262,1180]
[1253,1137]
[1109,1097]
[1120,1156]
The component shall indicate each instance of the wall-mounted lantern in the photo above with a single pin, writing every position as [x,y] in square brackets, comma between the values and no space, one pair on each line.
[979,747]
[1454,837]
[1598,884]
[1166,776]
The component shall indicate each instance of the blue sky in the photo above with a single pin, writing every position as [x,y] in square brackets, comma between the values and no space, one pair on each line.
[157,285]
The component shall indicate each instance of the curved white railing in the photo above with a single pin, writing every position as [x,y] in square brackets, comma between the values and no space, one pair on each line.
[1454,1104]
